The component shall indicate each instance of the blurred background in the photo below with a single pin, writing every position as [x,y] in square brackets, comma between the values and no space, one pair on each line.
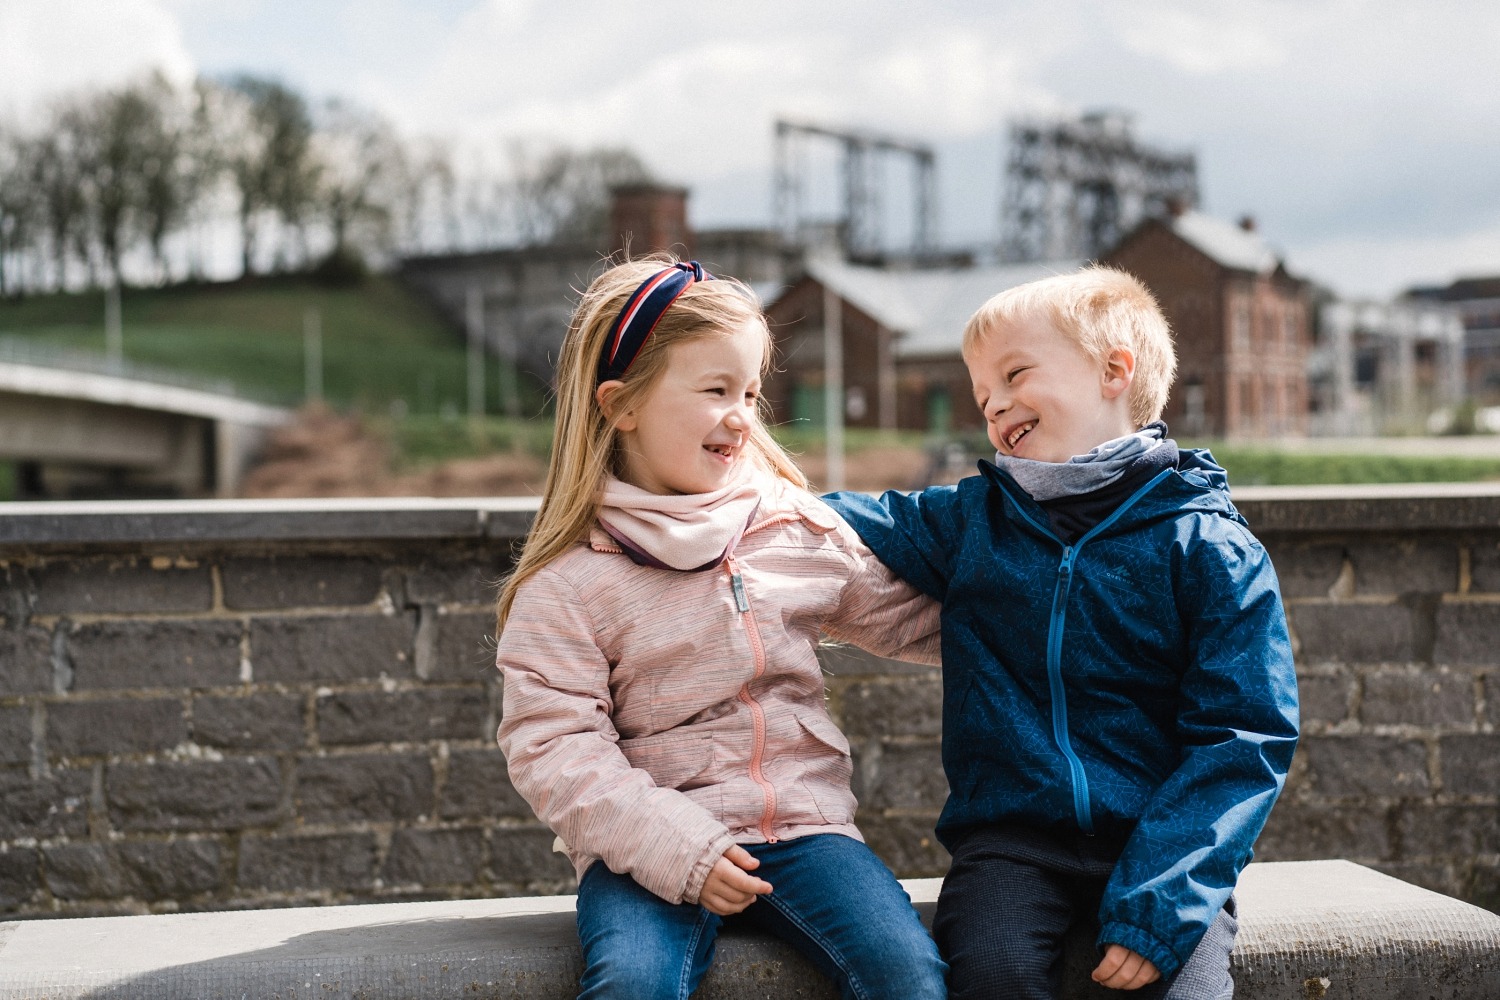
[330,248]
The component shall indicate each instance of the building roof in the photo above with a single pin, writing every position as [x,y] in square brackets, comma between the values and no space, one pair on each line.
[1225,242]
[927,308]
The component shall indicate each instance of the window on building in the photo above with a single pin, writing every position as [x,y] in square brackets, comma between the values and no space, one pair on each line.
[1239,325]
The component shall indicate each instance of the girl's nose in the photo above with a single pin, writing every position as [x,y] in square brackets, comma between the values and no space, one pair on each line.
[740,417]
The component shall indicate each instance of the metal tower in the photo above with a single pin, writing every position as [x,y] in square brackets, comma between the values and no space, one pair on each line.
[1073,188]
[860,225]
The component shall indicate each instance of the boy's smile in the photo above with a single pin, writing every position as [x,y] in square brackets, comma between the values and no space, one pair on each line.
[1043,397]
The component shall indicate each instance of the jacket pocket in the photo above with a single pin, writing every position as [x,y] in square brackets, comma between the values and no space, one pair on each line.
[827,770]
[683,761]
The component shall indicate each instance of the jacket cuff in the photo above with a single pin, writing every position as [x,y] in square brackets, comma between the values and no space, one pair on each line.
[704,864]
[1143,944]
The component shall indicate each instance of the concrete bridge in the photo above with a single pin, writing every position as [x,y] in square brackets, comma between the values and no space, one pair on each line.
[78,425]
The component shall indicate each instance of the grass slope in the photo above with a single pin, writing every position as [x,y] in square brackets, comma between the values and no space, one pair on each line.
[380,343]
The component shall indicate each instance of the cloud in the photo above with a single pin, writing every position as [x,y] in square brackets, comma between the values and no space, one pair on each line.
[49,47]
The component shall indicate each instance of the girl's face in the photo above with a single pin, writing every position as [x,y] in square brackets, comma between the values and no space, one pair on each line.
[689,433]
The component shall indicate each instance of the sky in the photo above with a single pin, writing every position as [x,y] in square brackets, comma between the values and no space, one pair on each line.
[1363,135]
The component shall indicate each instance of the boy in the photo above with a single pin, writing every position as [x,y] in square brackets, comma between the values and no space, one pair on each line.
[1119,699]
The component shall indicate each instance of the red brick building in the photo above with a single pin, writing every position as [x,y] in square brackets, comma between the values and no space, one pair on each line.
[1240,321]
[901,336]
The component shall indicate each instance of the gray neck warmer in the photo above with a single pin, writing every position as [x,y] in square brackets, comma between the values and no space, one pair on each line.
[1081,473]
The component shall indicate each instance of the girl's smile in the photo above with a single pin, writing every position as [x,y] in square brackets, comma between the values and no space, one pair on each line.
[689,433]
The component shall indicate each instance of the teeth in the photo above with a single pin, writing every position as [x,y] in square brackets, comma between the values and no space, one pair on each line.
[1019,433]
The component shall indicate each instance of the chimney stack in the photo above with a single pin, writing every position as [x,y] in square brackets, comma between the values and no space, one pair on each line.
[650,218]
[1247,223]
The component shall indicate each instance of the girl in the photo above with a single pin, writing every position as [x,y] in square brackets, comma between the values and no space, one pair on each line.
[663,708]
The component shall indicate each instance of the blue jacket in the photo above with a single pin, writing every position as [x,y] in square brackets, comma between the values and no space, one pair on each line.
[1138,682]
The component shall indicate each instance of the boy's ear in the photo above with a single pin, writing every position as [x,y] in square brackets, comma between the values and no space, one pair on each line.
[605,397]
[1119,372]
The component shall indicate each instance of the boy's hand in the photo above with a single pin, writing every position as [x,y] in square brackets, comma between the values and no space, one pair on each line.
[1123,969]
[730,887]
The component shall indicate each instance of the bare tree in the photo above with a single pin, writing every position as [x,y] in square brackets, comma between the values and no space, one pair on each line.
[268,157]
[560,194]
[362,168]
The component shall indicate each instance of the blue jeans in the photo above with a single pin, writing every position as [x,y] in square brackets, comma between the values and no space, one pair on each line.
[833,900]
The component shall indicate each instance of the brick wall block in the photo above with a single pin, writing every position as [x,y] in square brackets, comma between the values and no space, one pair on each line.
[299,582]
[331,648]
[1404,567]
[1484,567]
[403,716]
[907,707]
[1366,766]
[144,870]
[120,586]
[15,735]
[194,795]
[375,787]
[51,806]
[1353,633]
[1300,832]
[1468,634]
[478,787]
[1305,569]
[904,777]
[19,876]
[1425,698]
[906,844]
[435,857]
[155,654]
[256,722]
[458,582]
[1484,886]
[525,854]
[463,648]
[26,655]
[1448,831]
[1470,765]
[344,862]
[1324,697]
[89,728]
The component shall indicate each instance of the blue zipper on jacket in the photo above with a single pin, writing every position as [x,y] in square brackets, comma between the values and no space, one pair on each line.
[1058,618]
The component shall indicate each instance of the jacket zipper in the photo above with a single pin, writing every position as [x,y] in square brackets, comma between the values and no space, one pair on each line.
[1082,811]
[758,652]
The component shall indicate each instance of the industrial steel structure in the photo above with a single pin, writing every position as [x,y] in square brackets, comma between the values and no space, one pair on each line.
[860,225]
[1073,189]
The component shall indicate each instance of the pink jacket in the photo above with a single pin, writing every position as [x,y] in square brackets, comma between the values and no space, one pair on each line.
[654,718]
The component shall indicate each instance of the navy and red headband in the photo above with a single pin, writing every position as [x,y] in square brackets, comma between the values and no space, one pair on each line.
[643,310]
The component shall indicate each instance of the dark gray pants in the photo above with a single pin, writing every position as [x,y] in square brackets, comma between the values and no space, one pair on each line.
[1015,897]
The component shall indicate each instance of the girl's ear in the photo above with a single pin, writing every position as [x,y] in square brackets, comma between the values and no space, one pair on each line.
[1119,372]
[605,397]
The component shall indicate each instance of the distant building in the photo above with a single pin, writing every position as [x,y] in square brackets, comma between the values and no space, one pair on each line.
[901,334]
[1477,301]
[526,294]
[1240,320]
[1384,367]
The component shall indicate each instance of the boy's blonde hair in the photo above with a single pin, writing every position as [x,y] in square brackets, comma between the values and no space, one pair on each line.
[585,445]
[1101,308]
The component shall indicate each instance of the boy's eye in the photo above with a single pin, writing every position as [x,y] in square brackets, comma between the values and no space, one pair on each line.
[1011,375]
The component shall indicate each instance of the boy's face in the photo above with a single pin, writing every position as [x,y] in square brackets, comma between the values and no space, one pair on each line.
[1043,397]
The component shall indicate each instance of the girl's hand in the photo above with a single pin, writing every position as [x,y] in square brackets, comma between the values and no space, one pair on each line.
[729,887]
[1123,969]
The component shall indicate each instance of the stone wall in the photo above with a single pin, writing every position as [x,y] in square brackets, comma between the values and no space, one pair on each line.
[228,705]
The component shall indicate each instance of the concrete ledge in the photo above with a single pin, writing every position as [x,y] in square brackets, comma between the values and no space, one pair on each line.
[1312,929]
[62,525]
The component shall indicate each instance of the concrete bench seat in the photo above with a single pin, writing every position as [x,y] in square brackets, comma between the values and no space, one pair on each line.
[1308,930]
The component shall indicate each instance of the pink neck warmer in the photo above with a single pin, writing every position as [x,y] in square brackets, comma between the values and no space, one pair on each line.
[685,532]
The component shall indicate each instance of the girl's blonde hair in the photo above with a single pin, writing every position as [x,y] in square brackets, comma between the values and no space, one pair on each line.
[585,445]
[1101,308]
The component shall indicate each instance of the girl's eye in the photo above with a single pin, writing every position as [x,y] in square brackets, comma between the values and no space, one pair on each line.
[717,390]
